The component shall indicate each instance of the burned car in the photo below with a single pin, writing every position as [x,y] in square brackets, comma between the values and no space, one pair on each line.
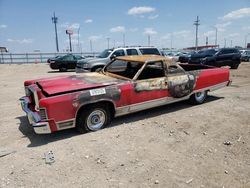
[89,101]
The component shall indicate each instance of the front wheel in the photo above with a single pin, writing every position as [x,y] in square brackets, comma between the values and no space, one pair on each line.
[93,118]
[198,98]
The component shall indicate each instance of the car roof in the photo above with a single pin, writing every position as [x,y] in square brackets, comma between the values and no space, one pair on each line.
[143,58]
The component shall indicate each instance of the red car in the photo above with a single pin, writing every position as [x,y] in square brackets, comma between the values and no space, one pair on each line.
[89,101]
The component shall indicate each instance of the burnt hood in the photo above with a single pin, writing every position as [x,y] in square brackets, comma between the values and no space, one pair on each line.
[65,84]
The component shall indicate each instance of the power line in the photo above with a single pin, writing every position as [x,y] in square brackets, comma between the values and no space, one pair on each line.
[54,20]
[196,23]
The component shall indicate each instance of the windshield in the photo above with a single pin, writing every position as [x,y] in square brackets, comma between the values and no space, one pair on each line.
[105,53]
[207,52]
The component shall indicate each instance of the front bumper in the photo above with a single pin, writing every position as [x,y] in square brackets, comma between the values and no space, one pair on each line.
[34,118]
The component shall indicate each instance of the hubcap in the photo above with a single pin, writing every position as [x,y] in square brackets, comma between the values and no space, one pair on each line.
[96,120]
[199,96]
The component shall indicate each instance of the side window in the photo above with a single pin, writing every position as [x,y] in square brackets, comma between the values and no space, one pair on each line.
[152,70]
[149,51]
[132,52]
[68,58]
[119,53]
[174,69]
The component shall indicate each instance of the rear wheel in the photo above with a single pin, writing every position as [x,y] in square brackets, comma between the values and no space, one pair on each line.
[93,118]
[234,66]
[198,98]
[62,69]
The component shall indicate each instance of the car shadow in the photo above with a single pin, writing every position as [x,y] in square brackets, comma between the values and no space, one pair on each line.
[39,140]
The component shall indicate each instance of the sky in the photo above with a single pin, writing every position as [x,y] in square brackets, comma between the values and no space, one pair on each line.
[26,25]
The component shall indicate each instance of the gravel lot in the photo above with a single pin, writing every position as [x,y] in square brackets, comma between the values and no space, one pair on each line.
[178,145]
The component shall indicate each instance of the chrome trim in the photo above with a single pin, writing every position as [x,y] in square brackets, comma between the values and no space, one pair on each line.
[35,98]
[33,117]
[61,124]
[42,128]
[162,101]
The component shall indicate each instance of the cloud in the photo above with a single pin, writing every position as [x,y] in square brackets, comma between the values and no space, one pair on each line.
[140,10]
[209,33]
[236,14]
[21,41]
[233,35]
[117,29]
[70,26]
[222,26]
[149,31]
[3,26]
[88,21]
[95,37]
[183,33]
[152,17]
[166,36]
[133,29]
[245,28]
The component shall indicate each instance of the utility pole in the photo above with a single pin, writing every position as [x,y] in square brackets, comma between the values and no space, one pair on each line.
[54,20]
[196,23]
[231,43]
[90,43]
[206,41]
[225,42]
[148,40]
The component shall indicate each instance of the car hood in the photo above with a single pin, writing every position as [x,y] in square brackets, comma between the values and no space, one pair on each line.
[92,60]
[66,84]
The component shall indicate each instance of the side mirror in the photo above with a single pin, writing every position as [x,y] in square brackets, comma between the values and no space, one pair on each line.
[113,56]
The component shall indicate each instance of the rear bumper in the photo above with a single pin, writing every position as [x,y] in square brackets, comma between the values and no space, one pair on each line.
[34,118]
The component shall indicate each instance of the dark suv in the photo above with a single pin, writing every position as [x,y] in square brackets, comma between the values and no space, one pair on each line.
[217,57]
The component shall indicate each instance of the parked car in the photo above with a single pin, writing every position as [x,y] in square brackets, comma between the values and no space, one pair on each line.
[53,58]
[185,58]
[217,57]
[65,62]
[245,55]
[89,101]
[173,55]
[96,64]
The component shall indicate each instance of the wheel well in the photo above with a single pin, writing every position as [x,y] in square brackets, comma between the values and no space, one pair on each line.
[96,67]
[109,104]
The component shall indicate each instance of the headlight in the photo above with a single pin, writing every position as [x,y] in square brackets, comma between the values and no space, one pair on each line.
[85,65]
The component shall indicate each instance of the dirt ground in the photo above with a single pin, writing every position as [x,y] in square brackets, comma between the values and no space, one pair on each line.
[177,145]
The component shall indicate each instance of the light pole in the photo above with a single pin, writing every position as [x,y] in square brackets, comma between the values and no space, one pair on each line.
[78,38]
[246,39]
[225,42]
[91,47]
[148,40]
[69,32]
[54,20]
[108,38]
[123,37]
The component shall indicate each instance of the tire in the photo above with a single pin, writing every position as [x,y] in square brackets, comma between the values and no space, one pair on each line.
[198,98]
[234,66]
[62,69]
[93,118]
[97,69]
